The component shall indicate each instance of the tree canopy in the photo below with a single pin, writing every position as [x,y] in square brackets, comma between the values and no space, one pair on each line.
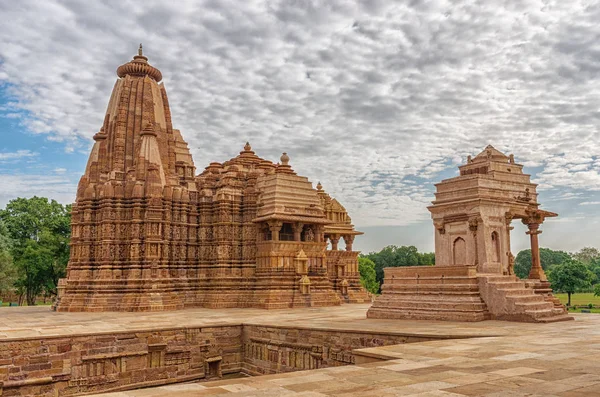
[570,276]
[39,230]
[394,256]
[548,258]
[366,268]
[7,270]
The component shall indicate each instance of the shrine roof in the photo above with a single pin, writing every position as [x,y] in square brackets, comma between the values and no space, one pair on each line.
[491,153]
[294,218]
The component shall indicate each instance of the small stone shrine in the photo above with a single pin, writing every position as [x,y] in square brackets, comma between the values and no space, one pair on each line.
[150,234]
[473,277]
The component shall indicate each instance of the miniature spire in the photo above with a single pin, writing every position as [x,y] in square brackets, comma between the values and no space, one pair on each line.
[319,186]
[140,50]
[247,147]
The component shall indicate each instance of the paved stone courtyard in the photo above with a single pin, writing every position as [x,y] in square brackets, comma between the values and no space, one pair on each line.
[499,358]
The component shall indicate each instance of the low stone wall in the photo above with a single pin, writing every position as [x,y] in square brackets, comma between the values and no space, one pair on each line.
[84,364]
[271,349]
[87,364]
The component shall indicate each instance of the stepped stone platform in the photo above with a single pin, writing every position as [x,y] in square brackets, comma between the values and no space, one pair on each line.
[460,293]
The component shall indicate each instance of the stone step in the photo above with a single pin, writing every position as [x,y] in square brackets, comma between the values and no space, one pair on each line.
[526,298]
[535,306]
[460,287]
[433,292]
[433,280]
[432,305]
[435,295]
[555,318]
[436,314]
[499,279]
[559,310]
[508,284]
[517,291]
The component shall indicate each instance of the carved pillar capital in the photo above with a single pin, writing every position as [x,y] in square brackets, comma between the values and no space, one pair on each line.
[297,228]
[508,217]
[349,240]
[473,224]
[335,239]
[439,226]
[275,228]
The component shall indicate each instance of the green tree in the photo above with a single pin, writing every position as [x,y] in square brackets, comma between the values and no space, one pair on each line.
[40,231]
[7,269]
[597,290]
[548,258]
[368,279]
[394,256]
[587,255]
[570,276]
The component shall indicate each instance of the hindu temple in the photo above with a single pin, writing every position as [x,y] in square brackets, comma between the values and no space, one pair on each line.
[473,277]
[149,234]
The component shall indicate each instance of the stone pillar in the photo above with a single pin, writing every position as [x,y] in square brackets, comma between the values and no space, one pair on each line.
[473,224]
[349,239]
[297,227]
[335,239]
[275,228]
[510,257]
[536,272]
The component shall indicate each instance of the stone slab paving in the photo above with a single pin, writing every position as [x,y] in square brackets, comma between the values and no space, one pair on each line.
[33,322]
[495,358]
[560,359]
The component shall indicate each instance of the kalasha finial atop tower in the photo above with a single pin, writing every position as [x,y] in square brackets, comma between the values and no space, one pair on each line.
[285,159]
[319,186]
[139,66]
[247,152]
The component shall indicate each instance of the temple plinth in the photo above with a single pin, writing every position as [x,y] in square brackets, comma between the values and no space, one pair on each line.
[150,234]
[473,278]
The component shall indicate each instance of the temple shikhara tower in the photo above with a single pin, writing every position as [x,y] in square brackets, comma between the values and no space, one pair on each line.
[150,234]
[473,276]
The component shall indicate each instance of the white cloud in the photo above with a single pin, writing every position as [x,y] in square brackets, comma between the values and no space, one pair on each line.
[14,156]
[365,96]
[56,187]
[60,170]
[590,203]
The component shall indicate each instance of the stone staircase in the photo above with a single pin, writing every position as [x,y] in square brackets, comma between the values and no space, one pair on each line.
[449,293]
[459,293]
[509,298]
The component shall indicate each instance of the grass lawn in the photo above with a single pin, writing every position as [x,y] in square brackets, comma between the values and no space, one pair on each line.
[579,310]
[583,298]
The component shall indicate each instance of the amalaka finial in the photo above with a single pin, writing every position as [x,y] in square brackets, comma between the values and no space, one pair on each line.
[140,50]
[285,159]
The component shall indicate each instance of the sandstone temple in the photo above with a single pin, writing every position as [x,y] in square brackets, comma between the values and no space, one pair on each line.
[473,277]
[149,234]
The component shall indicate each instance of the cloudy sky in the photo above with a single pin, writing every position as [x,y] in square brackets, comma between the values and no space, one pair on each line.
[378,100]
